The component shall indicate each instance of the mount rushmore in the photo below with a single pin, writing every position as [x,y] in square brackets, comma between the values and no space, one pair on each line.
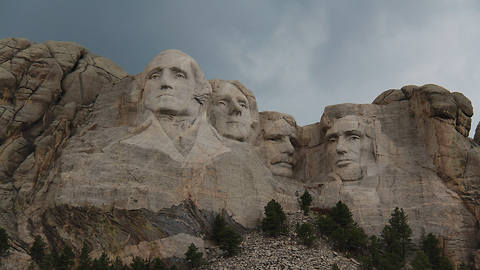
[140,165]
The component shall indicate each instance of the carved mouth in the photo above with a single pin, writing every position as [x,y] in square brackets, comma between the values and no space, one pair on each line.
[344,162]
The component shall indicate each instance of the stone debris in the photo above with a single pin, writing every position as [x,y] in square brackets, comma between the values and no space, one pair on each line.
[284,252]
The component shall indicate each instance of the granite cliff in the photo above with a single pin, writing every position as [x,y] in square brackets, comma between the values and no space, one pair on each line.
[140,165]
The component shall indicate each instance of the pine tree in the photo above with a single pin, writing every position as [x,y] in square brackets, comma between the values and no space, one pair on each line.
[326,225]
[174,267]
[218,225]
[306,233]
[341,214]
[193,257]
[158,264]
[306,201]
[463,266]
[430,247]
[117,264]
[274,221]
[4,245]
[101,263]
[85,262]
[421,262]
[335,267]
[66,259]
[396,238]
[138,263]
[37,251]
[230,240]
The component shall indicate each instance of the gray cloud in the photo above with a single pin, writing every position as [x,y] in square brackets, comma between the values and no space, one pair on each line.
[297,57]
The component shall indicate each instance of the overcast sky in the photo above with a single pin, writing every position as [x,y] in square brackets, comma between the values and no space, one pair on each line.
[296,56]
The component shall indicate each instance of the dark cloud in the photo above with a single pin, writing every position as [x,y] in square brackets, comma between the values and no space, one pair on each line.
[296,56]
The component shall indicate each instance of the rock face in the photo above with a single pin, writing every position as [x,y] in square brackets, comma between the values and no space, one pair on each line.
[408,149]
[140,165]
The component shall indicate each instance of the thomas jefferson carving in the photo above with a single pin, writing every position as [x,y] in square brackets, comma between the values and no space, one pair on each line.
[233,110]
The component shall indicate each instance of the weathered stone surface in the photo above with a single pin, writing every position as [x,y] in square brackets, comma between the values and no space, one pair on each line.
[135,166]
[410,154]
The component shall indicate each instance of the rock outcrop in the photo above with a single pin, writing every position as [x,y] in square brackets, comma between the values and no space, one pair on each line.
[140,165]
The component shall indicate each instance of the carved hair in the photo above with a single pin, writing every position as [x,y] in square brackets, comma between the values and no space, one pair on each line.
[333,113]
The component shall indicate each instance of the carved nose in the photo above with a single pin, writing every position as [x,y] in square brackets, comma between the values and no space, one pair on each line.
[341,147]
[235,109]
[288,147]
[166,81]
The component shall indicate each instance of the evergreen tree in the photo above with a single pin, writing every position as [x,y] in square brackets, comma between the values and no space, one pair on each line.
[421,262]
[66,259]
[463,266]
[101,263]
[446,264]
[341,214]
[85,262]
[274,221]
[230,240]
[218,225]
[158,264]
[306,233]
[430,247]
[193,257]
[396,238]
[138,263]
[326,225]
[306,201]
[335,267]
[4,245]
[37,251]
[117,264]
[174,267]
[374,249]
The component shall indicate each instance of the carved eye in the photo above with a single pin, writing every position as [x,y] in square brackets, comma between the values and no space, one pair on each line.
[332,140]
[180,75]
[354,138]
[242,104]
[154,76]
[222,102]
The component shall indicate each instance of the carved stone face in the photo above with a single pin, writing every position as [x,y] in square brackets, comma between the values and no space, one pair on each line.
[170,85]
[230,113]
[277,147]
[344,145]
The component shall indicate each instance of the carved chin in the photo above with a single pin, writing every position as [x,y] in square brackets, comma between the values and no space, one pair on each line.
[351,173]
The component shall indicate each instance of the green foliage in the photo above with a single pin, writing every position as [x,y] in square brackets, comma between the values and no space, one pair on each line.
[446,264]
[463,266]
[396,238]
[4,245]
[430,247]
[274,221]
[421,262]
[193,257]
[174,267]
[326,225]
[37,251]
[138,263]
[85,262]
[66,259]
[101,263]
[218,225]
[306,201]
[339,224]
[335,267]
[374,249]
[341,214]
[158,264]
[230,240]
[117,264]
[306,233]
